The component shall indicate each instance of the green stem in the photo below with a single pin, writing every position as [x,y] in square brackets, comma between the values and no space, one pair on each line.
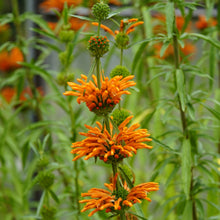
[182,113]
[122,215]
[98,31]
[17,23]
[98,72]
[121,58]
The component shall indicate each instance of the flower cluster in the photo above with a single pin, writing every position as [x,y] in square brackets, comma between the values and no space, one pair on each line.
[114,201]
[121,35]
[110,146]
[101,101]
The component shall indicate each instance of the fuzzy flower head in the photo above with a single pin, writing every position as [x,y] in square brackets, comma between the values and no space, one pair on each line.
[101,100]
[111,146]
[114,201]
[121,36]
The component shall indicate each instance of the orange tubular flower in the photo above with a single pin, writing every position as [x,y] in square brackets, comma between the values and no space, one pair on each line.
[109,146]
[203,23]
[101,101]
[122,26]
[47,5]
[111,200]
[9,60]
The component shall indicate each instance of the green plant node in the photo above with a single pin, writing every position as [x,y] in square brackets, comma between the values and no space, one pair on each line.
[122,40]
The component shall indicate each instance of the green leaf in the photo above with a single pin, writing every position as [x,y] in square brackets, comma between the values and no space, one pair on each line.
[112,14]
[203,37]
[180,83]
[130,184]
[212,64]
[136,59]
[187,213]
[41,203]
[83,18]
[54,196]
[213,111]
[164,48]
[186,166]
[169,18]
[163,145]
[140,217]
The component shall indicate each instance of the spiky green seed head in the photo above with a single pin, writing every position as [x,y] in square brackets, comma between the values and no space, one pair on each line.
[119,71]
[119,115]
[122,40]
[98,46]
[42,162]
[66,35]
[45,179]
[100,11]
[48,213]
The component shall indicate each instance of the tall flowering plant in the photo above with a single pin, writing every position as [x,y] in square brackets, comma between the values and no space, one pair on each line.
[111,141]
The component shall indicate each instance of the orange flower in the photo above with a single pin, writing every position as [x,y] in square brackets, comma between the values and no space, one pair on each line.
[47,5]
[75,24]
[8,93]
[4,27]
[203,23]
[9,60]
[188,49]
[111,200]
[103,100]
[161,27]
[109,146]
[123,24]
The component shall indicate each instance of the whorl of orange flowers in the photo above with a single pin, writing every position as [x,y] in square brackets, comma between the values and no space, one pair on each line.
[9,60]
[110,146]
[103,100]
[123,24]
[111,200]
[47,5]
[203,23]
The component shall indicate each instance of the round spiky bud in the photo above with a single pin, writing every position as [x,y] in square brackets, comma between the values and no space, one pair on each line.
[42,162]
[119,71]
[48,213]
[45,179]
[100,11]
[122,40]
[66,35]
[98,46]
[119,115]
[65,58]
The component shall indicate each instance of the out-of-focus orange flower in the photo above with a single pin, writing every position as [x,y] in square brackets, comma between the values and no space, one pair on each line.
[104,99]
[111,200]
[75,24]
[203,23]
[110,146]
[9,60]
[4,27]
[188,49]
[47,5]
[8,93]
[161,27]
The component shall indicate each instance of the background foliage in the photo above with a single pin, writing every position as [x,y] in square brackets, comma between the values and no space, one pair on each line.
[175,59]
